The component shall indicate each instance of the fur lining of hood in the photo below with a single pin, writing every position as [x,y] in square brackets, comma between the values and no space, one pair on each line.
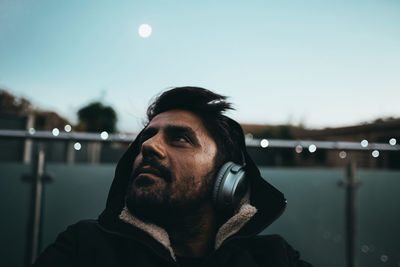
[153,230]
[244,213]
[236,222]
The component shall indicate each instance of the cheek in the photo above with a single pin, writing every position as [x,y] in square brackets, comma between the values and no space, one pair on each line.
[196,166]
[184,166]
[206,159]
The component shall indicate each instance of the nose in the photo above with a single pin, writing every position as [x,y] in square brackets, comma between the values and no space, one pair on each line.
[154,147]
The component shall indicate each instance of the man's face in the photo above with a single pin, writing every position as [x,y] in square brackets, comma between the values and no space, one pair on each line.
[174,170]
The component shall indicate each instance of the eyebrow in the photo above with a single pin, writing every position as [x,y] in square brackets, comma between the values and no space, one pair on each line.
[173,129]
[147,132]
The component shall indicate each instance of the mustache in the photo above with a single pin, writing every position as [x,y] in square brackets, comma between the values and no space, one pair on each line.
[164,172]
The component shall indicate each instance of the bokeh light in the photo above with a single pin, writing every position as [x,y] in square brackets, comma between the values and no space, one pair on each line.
[342,154]
[299,149]
[55,132]
[384,258]
[312,148]
[77,146]
[392,141]
[375,153]
[264,143]
[67,128]
[104,135]
[364,143]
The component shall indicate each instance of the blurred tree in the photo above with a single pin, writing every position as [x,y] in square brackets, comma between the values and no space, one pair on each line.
[14,109]
[95,117]
[270,131]
[12,104]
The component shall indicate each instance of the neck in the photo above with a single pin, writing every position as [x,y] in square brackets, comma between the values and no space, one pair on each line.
[194,235]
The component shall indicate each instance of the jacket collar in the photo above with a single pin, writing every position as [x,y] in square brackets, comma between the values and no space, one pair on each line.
[243,214]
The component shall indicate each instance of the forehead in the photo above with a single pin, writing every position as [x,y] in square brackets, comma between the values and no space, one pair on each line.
[179,118]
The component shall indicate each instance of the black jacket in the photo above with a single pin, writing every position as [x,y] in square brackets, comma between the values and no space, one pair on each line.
[109,241]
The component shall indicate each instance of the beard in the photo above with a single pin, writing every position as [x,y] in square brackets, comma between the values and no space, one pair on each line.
[167,200]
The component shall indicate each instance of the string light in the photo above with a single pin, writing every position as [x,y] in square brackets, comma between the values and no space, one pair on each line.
[77,146]
[104,135]
[392,141]
[364,143]
[55,132]
[264,143]
[32,131]
[312,148]
[299,149]
[375,153]
[342,154]
[67,128]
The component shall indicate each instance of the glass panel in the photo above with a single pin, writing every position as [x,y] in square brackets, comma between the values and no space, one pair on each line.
[14,205]
[313,222]
[378,225]
[76,192]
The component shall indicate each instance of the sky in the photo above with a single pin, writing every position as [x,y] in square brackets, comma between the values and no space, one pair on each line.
[315,63]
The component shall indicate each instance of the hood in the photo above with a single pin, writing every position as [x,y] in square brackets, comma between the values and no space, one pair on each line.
[269,202]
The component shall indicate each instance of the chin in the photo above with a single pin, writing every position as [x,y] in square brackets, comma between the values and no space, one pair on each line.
[147,204]
[147,192]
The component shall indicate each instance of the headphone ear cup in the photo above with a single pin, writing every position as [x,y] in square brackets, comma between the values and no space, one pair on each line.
[217,192]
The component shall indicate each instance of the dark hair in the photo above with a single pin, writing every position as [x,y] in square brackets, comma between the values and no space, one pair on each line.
[209,106]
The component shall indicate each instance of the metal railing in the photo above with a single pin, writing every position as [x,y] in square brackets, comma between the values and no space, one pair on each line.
[124,138]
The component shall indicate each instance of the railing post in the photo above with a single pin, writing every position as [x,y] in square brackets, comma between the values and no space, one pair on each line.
[37,196]
[70,152]
[94,150]
[28,143]
[351,185]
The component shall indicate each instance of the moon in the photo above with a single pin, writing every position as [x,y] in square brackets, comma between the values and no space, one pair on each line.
[144,30]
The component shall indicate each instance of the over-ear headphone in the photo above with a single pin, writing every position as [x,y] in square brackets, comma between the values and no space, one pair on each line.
[230,185]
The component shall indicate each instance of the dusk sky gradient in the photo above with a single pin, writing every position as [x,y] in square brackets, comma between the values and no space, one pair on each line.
[320,63]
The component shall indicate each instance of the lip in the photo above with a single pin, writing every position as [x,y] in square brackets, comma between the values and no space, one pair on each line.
[146,179]
[148,175]
[147,170]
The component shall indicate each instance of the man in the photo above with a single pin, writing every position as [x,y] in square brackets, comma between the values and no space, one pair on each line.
[186,193]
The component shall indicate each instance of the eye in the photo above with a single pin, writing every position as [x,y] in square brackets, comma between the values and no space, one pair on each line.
[180,138]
